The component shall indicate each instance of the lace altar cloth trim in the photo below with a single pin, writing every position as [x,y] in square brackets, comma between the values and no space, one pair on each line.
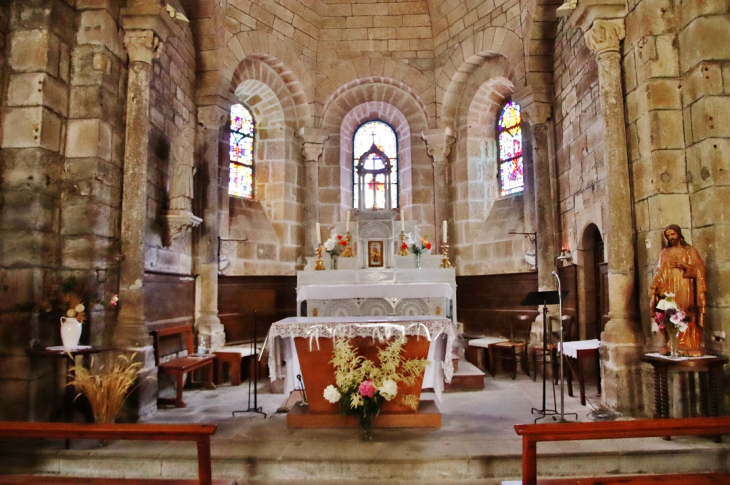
[341,328]
[669,357]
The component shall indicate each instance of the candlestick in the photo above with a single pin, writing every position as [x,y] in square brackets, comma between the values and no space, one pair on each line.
[446,239]
[319,237]
[347,229]
[347,253]
[403,250]
[445,263]
[319,265]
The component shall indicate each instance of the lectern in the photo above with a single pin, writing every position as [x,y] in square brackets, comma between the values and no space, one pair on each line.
[544,298]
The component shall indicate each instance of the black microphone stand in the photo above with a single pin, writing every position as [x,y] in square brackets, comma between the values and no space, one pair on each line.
[256,408]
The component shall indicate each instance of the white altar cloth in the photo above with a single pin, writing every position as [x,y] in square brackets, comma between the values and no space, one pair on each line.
[382,290]
[436,329]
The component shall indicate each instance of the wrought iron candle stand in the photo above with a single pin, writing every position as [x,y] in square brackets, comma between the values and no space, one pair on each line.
[319,265]
[403,250]
[445,263]
[347,253]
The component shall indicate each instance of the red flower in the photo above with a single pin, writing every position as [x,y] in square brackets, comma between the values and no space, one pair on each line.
[343,242]
[404,246]
[339,237]
[428,245]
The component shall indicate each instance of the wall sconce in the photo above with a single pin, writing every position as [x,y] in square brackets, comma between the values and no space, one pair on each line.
[566,256]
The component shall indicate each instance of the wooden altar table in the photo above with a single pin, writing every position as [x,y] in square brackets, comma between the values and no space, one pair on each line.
[313,347]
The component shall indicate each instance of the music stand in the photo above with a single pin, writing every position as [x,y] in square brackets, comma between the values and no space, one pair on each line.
[256,408]
[544,298]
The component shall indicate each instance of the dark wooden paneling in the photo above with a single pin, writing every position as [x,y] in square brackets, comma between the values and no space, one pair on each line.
[488,305]
[169,300]
[274,297]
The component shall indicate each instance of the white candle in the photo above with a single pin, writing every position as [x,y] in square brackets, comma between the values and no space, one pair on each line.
[445,234]
[402,223]
[348,221]
[319,238]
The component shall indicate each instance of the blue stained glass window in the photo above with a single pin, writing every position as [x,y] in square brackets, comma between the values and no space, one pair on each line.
[241,169]
[385,139]
[511,168]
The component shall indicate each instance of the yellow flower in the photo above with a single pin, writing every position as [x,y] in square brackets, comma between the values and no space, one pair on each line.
[80,308]
[71,313]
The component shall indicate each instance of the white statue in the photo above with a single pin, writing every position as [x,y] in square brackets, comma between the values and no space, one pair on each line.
[182,163]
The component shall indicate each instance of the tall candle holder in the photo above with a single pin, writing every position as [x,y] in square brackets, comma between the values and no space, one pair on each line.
[347,253]
[319,265]
[445,263]
[403,251]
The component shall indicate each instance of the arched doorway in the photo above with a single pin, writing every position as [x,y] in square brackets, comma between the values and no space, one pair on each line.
[592,284]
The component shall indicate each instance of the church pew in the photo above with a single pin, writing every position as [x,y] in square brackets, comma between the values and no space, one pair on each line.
[642,428]
[199,433]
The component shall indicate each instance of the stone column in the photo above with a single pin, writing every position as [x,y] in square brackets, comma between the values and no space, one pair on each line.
[312,148]
[622,336]
[210,121]
[131,330]
[438,144]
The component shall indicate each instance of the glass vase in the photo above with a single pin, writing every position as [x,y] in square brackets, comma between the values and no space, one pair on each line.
[673,343]
[418,260]
[333,262]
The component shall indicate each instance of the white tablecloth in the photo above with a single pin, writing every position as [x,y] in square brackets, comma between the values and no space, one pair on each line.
[439,330]
[381,290]
[572,348]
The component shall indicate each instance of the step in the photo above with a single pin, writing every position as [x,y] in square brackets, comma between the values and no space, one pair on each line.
[467,377]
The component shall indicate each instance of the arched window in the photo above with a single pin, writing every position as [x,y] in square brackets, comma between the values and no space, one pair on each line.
[241,169]
[511,170]
[375,138]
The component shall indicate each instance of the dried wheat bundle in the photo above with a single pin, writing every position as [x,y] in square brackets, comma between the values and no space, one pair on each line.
[107,389]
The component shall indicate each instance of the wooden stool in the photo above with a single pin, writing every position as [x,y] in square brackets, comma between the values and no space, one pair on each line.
[233,357]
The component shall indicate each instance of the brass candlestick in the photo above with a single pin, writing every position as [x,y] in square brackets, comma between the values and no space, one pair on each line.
[403,251]
[319,265]
[347,253]
[445,263]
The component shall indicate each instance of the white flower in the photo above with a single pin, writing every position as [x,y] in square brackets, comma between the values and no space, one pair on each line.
[409,239]
[667,303]
[80,308]
[331,394]
[330,243]
[389,389]
[654,326]
[681,327]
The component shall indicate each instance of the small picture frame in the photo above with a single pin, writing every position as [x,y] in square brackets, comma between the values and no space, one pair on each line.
[375,253]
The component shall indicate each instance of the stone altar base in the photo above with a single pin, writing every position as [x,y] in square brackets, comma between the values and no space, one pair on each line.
[427,416]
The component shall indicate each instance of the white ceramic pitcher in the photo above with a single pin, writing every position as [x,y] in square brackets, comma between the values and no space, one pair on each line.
[70,332]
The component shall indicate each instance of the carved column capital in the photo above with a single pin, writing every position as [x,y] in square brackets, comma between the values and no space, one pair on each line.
[605,36]
[142,45]
[312,143]
[212,117]
[438,144]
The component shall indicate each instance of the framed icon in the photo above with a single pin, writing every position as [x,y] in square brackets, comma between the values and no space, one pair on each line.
[375,254]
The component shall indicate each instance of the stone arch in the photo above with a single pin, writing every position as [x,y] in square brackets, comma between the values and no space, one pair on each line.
[290,66]
[341,78]
[363,101]
[466,57]
[270,222]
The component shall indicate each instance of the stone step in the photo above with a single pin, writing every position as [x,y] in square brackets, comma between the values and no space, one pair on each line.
[467,377]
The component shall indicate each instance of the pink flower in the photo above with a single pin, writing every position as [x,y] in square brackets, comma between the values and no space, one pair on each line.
[367,389]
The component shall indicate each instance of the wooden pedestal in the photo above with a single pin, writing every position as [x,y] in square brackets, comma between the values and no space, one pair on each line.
[428,416]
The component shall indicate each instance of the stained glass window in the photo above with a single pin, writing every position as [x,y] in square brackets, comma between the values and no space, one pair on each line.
[511,168]
[241,169]
[384,138]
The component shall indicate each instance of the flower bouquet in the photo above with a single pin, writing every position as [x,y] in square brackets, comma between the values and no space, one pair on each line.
[362,387]
[335,245]
[417,248]
[671,320]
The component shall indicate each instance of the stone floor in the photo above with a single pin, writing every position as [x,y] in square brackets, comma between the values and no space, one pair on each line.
[476,444]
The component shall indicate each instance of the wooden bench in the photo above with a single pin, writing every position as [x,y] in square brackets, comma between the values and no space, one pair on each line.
[179,366]
[199,433]
[642,428]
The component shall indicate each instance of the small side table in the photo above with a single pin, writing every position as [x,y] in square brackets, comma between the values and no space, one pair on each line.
[486,343]
[233,356]
[579,351]
[709,368]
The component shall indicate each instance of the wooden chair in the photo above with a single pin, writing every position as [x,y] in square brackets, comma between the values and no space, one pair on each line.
[179,366]
[510,353]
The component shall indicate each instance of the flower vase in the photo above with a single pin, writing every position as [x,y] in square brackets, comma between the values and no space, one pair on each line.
[418,260]
[673,343]
[333,262]
[70,332]
[366,427]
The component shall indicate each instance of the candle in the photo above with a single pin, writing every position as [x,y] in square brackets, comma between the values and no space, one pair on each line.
[402,223]
[348,221]
[319,238]
[445,234]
